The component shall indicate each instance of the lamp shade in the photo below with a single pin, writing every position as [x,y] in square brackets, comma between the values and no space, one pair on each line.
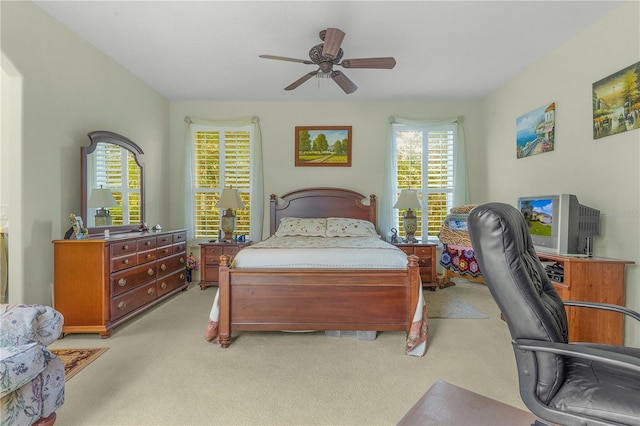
[408,200]
[102,197]
[230,199]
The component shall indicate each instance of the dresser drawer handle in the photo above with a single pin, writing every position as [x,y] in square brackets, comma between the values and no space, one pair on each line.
[150,292]
[166,250]
[148,255]
[122,282]
[150,271]
[125,247]
[148,243]
[163,285]
[126,261]
[182,260]
[163,267]
[182,277]
[122,305]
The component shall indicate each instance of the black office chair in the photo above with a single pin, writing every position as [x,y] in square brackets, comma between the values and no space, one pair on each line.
[560,382]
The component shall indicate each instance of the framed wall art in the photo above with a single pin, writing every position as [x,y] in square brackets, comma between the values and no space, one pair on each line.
[323,146]
[535,131]
[616,102]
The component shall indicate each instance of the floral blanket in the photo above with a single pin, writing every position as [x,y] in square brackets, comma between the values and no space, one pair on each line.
[461,260]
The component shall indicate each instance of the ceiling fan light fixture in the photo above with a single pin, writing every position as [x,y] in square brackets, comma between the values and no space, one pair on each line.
[328,54]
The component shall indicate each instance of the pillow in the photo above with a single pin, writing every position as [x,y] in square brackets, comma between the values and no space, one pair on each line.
[345,227]
[310,227]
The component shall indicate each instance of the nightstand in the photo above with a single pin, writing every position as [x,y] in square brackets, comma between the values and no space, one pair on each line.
[426,253]
[210,260]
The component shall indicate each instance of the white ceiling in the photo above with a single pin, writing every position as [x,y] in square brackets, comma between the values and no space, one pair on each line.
[208,50]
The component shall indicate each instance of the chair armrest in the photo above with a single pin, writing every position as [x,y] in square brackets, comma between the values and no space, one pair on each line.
[39,323]
[615,359]
[604,307]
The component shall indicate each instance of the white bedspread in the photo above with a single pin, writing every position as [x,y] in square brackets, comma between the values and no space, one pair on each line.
[321,253]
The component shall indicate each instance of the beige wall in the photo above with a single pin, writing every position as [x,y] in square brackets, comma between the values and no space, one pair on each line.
[369,121]
[69,89]
[603,173]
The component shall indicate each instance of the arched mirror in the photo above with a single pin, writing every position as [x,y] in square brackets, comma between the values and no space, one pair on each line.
[112,186]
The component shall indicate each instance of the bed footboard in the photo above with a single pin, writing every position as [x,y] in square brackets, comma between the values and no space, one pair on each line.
[320,299]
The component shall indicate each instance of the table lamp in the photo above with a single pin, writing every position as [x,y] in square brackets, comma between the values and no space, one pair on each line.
[409,200]
[102,199]
[230,199]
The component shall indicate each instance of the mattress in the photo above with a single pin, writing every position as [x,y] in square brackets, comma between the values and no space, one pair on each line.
[321,253]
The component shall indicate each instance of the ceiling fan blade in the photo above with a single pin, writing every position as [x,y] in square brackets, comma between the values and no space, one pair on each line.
[345,84]
[332,41]
[301,80]
[385,63]
[282,58]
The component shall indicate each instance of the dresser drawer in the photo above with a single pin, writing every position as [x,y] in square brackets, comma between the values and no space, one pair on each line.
[129,302]
[171,282]
[145,244]
[146,256]
[408,250]
[179,237]
[167,265]
[122,248]
[231,251]
[180,248]
[124,262]
[132,278]
[212,255]
[164,240]
[164,251]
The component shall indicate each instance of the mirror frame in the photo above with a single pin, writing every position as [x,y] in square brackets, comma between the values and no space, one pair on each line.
[103,136]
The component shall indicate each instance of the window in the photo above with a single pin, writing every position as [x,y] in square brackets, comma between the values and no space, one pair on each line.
[221,159]
[116,169]
[425,162]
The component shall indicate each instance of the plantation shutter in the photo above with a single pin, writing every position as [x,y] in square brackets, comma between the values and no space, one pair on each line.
[117,170]
[425,162]
[221,159]
[439,182]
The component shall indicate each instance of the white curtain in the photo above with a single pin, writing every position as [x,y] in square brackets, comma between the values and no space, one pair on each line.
[461,184]
[257,179]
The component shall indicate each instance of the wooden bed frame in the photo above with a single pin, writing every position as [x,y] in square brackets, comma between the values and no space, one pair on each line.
[254,299]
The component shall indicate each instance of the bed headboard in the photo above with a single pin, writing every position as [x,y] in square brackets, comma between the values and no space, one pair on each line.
[321,202]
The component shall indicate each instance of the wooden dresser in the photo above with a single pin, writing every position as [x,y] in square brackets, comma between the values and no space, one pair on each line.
[101,283]
[426,259]
[210,260]
[592,279]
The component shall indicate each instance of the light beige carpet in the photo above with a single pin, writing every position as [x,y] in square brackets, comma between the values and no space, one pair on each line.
[443,303]
[159,370]
[76,359]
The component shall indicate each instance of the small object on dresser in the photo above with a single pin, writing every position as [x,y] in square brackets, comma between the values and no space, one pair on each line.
[80,232]
[157,228]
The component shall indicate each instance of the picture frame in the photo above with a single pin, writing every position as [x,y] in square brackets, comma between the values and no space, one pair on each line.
[535,131]
[615,102]
[323,146]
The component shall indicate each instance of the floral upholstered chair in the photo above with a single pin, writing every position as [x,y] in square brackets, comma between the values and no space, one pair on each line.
[31,377]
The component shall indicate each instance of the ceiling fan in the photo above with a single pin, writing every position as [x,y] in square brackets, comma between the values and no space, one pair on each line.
[328,54]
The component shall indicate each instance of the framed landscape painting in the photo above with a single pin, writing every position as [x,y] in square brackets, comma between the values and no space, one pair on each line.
[616,102]
[323,146]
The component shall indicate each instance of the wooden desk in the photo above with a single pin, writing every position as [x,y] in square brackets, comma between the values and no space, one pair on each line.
[446,404]
[592,279]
